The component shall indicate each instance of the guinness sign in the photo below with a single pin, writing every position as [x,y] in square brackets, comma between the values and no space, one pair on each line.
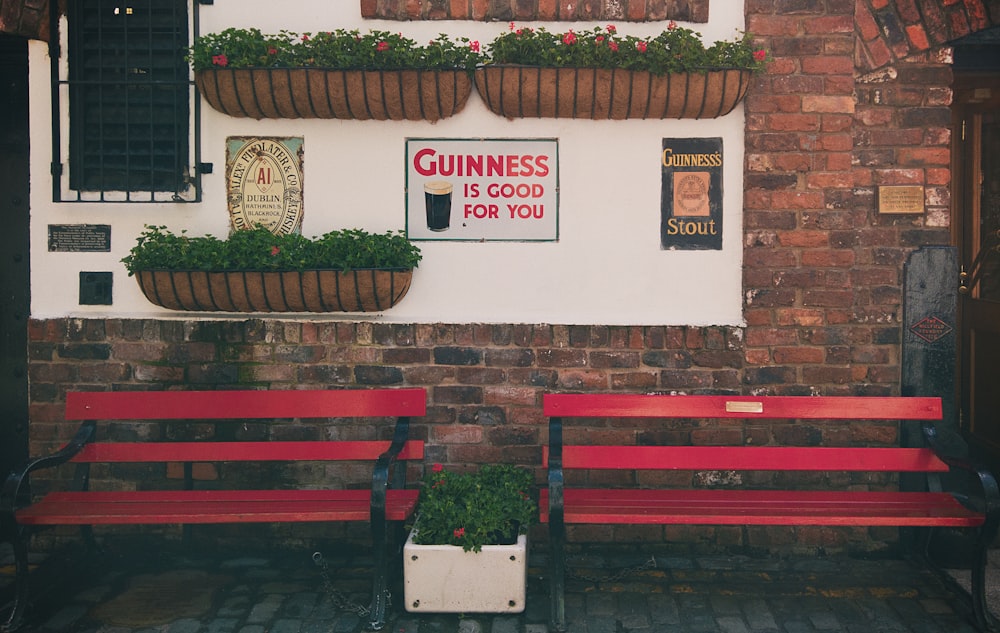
[691,194]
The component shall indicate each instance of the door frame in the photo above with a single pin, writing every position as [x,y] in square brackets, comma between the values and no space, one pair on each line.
[974,93]
[15,276]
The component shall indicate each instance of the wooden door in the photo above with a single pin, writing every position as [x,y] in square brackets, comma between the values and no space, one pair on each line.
[976,179]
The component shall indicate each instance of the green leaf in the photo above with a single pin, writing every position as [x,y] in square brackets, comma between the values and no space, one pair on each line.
[157,248]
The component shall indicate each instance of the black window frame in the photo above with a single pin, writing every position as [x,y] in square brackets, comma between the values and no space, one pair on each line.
[151,149]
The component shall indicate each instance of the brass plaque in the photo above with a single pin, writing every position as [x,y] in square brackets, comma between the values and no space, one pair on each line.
[744,407]
[901,199]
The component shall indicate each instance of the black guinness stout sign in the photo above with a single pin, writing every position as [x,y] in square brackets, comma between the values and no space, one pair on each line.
[691,194]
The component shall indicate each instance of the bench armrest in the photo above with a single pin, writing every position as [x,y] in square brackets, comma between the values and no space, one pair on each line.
[16,491]
[987,481]
[555,473]
[383,465]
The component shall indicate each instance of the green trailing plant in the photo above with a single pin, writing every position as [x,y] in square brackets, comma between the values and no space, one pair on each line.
[486,507]
[340,49]
[157,248]
[676,49]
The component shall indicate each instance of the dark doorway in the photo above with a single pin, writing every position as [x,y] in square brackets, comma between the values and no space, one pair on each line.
[14,274]
[976,190]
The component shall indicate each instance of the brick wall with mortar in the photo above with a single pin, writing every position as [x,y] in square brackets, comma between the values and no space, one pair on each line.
[542,10]
[25,18]
[829,122]
[484,382]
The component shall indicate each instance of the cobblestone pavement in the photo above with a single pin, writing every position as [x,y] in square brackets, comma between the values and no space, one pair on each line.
[610,590]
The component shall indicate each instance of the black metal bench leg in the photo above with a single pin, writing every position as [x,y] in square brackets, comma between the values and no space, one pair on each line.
[557,583]
[19,541]
[984,619]
[380,550]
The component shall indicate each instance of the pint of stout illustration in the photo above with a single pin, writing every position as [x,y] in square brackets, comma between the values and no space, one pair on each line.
[437,198]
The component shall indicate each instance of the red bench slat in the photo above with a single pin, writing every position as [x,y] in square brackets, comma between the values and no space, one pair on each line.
[790,407]
[214,405]
[750,458]
[761,507]
[212,506]
[126,452]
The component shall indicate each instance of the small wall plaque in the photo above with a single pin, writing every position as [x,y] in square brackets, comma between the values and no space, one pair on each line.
[901,199]
[744,407]
[79,238]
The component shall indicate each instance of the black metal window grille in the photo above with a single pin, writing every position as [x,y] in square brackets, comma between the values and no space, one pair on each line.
[129,103]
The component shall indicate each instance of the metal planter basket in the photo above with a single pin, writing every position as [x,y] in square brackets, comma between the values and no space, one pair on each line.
[595,93]
[361,290]
[317,93]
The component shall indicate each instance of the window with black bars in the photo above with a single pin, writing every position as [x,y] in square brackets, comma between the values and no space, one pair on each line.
[129,95]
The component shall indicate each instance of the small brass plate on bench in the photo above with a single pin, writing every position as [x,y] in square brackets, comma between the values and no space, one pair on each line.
[744,407]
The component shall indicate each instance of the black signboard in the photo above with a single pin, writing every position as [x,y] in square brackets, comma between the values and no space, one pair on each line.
[691,194]
[74,238]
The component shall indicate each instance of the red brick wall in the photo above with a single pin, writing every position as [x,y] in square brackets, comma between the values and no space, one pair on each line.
[823,269]
[890,31]
[25,18]
[484,381]
[544,10]
[484,384]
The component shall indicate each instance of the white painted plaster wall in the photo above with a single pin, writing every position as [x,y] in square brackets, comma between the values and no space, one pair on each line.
[606,268]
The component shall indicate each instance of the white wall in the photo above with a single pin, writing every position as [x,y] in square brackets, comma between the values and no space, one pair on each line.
[606,268]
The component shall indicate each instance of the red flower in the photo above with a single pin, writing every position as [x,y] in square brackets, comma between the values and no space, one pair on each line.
[760,55]
[569,38]
[474,46]
[511,26]
[599,40]
[437,468]
[382,46]
[275,250]
[612,28]
[272,51]
[671,25]
[613,46]
[220,60]
[640,46]
[459,533]
[305,38]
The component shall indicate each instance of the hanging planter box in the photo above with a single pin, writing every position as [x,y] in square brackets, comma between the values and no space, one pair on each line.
[317,93]
[595,93]
[448,579]
[362,290]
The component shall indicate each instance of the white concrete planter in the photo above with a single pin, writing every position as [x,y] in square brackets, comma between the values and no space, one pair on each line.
[447,579]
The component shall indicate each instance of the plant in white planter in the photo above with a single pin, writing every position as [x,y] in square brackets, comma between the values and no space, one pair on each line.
[467,552]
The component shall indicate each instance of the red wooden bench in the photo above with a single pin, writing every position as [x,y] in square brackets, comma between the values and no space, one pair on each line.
[178,502]
[563,504]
